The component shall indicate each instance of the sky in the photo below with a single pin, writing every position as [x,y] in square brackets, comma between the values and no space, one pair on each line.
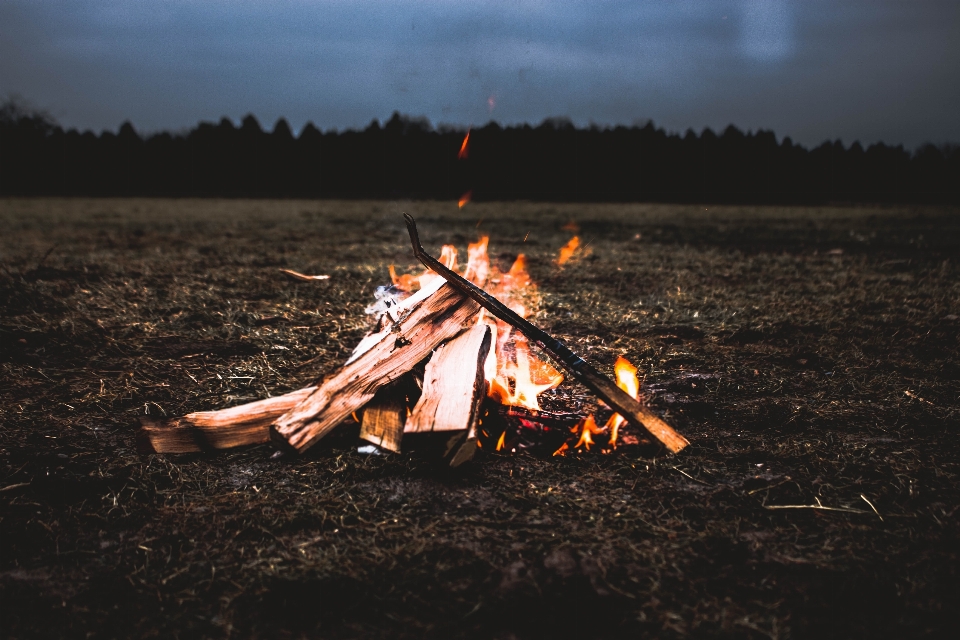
[867,70]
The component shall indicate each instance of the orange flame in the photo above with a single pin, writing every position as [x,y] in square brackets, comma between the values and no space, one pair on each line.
[503,437]
[627,380]
[588,428]
[463,147]
[478,262]
[518,381]
[464,199]
[410,282]
[567,251]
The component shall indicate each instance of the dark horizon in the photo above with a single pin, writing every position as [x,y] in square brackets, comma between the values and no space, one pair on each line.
[410,158]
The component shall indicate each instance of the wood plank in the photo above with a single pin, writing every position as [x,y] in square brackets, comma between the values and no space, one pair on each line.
[384,416]
[238,426]
[395,351]
[453,384]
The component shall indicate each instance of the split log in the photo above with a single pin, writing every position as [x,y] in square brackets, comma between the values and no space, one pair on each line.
[383,418]
[244,424]
[389,354]
[453,384]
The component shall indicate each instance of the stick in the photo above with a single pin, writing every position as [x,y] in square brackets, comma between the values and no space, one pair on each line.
[580,369]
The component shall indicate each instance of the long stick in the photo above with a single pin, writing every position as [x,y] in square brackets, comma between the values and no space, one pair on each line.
[579,368]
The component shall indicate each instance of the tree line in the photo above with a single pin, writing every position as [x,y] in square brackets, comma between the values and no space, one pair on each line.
[409,158]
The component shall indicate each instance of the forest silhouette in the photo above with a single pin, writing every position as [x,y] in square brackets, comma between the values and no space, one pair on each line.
[409,158]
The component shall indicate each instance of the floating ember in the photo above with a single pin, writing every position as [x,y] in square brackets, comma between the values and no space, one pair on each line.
[462,155]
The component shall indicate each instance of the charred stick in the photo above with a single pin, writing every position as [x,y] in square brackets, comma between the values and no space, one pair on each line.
[579,368]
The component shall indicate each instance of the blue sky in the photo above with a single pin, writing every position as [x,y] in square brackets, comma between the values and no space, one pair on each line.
[814,69]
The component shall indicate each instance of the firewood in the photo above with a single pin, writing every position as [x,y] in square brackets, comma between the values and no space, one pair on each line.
[383,418]
[394,351]
[453,384]
[244,424]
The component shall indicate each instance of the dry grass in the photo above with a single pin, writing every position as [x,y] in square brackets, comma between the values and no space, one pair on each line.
[811,355]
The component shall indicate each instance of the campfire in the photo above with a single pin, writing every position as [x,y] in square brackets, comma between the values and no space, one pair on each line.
[450,353]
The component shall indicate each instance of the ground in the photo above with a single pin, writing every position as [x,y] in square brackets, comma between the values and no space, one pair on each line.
[810,355]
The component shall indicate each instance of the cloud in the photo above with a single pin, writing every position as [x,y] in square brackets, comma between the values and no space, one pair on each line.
[767,30]
[868,69]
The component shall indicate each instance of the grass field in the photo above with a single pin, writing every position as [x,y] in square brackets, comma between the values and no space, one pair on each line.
[810,355]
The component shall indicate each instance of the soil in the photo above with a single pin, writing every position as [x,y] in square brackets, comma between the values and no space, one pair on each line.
[809,354]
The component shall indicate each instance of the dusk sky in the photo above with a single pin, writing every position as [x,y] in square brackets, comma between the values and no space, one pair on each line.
[865,70]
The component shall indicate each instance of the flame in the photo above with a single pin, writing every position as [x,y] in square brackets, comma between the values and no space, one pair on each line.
[562,451]
[464,199]
[478,262]
[588,428]
[520,379]
[627,380]
[567,251]
[463,147]
[410,282]
[503,437]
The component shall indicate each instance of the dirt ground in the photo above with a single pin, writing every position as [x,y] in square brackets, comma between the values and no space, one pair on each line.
[810,355]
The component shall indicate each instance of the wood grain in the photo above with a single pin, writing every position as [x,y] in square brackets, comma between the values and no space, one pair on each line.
[453,384]
[395,351]
[238,426]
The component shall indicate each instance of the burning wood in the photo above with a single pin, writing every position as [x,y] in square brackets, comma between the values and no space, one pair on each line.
[605,389]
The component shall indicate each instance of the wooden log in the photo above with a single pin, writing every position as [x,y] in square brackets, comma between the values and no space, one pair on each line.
[395,350]
[453,384]
[244,424]
[384,416]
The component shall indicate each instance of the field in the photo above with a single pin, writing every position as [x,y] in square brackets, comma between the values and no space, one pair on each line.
[810,355]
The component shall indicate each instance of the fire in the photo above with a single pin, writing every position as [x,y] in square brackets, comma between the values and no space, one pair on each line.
[627,380]
[567,251]
[503,437]
[463,147]
[515,375]
[521,378]
[464,199]
[409,282]
[588,428]
[478,262]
